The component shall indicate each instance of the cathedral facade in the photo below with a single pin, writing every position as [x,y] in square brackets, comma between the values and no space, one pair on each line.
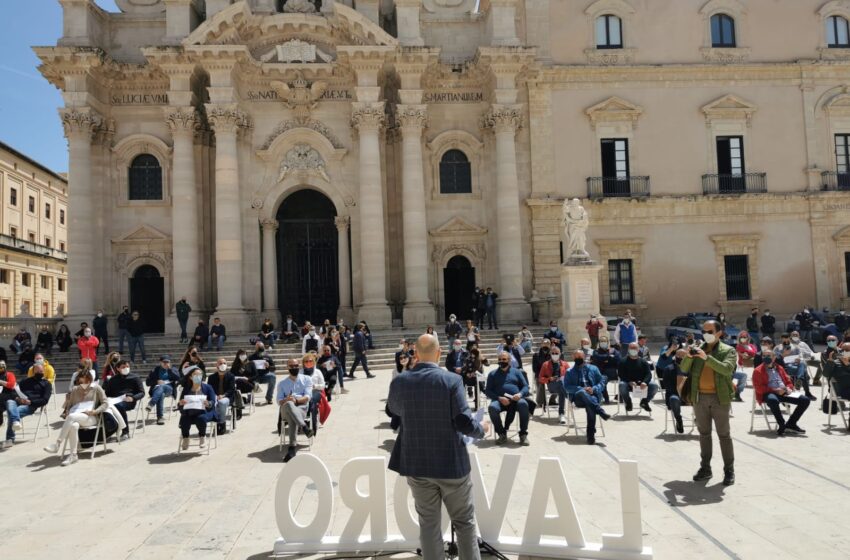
[378,160]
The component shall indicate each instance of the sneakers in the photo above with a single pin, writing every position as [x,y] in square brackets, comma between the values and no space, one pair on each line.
[184,443]
[523,440]
[562,420]
[501,439]
[52,448]
[728,477]
[202,442]
[160,421]
[124,437]
[70,460]
[680,425]
[702,474]
[7,444]
[17,426]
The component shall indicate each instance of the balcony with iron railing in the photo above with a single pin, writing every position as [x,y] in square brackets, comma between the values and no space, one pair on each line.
[734,184]
[32,248]
[835,181]
[617,187]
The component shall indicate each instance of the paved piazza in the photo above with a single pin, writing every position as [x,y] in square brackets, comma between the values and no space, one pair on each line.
[142,500]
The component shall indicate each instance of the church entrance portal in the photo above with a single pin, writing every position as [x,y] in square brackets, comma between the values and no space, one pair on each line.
[307,265]
[147,296]
[459,282]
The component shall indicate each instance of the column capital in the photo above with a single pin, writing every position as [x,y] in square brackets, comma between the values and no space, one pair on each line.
[80,121]
[182,120]
[227,118]
[412,118]
[368,116]
[269,225]
[342,223]
[503,118]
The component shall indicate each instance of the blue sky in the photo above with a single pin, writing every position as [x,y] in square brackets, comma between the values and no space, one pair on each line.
[29,121]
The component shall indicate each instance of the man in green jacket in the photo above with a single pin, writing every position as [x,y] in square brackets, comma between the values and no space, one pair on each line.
[710,367]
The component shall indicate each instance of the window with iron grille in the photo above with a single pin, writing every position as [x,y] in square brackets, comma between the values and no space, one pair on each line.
[145,178]
[737,277]
[722,31]
[837,32]
[620,284]
[455,173]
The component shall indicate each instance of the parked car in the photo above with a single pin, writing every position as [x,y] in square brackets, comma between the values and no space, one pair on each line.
[683,325]
[824,326]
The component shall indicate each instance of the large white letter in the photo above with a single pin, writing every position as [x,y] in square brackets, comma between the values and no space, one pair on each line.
[491,515]
[312,467]
[408,526]
[371,505]
[632,538]
[550,480]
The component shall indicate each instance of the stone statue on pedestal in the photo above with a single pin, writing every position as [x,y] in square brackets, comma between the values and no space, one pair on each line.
[575,220]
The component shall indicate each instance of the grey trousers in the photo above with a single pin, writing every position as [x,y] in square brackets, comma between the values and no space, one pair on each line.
[707,410]
[294,417]
[428,496]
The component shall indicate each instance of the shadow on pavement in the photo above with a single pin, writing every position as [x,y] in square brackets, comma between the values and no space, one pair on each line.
[172,458]
[270,455]
[677,437]
[387,445]
[680,493]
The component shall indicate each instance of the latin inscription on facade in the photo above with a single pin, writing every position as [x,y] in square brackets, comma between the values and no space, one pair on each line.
[140,99]
[454,97]
[327,95]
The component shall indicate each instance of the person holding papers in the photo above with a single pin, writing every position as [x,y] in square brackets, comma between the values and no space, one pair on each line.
[261,369]
[83,405]
[124,390]
[794,355]
[773,386]
[197,406]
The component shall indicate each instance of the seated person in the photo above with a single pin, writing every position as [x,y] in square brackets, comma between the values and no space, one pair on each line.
[44,341]
[63,338]
[191,358]
[746,350]
[200,417]
[643,351]
[30,395]
[7,388]
[218,334]
[331,370]
[21,340]
[162,382]
[552,377]
[308,368]
[293,395]
[772,386]
[511,345]
[239,369]
[224,384]
[634,372]
[84,404]
[110,368]
[674,380]
[127,385]
[607,361]
[261,369]
[201,336]
[472,366]
[456,357]
[555,336]
[25,359]
[507,388]
[584,385]
[831,353]
[837,372]
[667,354]
[793,354]
[289,330]
[311,342]
[85,365]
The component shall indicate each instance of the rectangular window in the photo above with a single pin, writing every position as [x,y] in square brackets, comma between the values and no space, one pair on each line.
[32,205]
[737,277]
[620,283]
[4,276]
[47,211]
[27,303]
[609,32]
[60,285]
[62,216]
[48,242]
[615,166]
[25,279]
[730,164]
[45,309]
[45,282]
[61,245]
[4,308]
[13,196]
[13,231]
[842,160]
[31,236]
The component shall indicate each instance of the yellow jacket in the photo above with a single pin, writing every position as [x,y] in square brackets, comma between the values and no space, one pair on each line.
[49,374]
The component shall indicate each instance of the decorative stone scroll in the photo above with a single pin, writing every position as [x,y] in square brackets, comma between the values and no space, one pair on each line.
[302,157]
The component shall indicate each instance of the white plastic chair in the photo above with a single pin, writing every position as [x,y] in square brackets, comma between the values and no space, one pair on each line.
[834,398]
[571,420]
[615,394]
[670,419]
[211,438]
[100,429]
[284,437]
[140,405]
[765,412]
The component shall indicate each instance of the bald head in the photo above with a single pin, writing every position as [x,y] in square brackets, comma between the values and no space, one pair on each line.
[427,348]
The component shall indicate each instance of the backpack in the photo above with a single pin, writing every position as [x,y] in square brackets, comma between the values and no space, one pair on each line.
[837,406]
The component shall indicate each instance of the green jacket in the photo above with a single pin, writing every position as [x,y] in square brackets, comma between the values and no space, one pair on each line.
[723,360]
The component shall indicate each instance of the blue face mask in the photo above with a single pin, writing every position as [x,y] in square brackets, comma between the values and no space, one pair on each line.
[197,379]
[832,343]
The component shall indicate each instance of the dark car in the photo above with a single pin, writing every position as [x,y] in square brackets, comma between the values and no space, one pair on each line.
[691,323]
[823,327]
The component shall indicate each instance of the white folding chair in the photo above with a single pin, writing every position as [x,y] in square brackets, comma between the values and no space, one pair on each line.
[53,395]
[615,395]
[571,420]
[99,428]
[211,440]
[838,402]
[139,418]
[765,412]
[284,442]
[166,405]
[670,419]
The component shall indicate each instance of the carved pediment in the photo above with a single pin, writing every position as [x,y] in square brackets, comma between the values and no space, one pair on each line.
[614,109]
[457,226]
[729,107]
[142,233]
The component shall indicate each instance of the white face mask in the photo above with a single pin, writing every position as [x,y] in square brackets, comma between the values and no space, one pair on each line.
[125,371]
[709,338]
[626,322]
[603,345]
[86,386]
[633,352]
[766,350]
[222,367]
[586,347]
[243,357]
[458,347]
[767,314]
[795,339]
[100,314]
[39,362]
[197,379]
[743,340]
[401,346]
[556,357]
[87,332]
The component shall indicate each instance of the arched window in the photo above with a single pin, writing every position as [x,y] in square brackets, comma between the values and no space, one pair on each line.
[455,173]
[722,31]
[837,32]
[145,178]
[609,32]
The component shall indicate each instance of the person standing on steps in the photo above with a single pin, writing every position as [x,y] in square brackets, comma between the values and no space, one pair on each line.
[490,298]
[100,326]
[710,367]
[360,349]
[182,309]
[123,333]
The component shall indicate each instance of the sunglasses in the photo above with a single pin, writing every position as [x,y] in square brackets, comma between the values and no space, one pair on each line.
[707,332]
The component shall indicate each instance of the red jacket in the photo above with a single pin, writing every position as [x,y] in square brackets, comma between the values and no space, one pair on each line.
[748,349]
[593,327]
[88,347]
[545,375]
[760,381]
[10,382]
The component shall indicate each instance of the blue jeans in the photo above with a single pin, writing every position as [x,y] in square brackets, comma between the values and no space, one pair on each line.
[137,341]
[496,408]
[183,322]
[674,403]
[158,397]
[590,403]
[218,341]
[491,317]
[270,379]
[221,406]
[359,358]
[123,335]
[742,382]
[16,412]
[651,389]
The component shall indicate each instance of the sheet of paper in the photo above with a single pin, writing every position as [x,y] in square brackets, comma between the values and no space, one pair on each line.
[479,417]
[84,406]
[115,400]
[195,402]
[260,364]
[794,394]
[638,393]
[791,360]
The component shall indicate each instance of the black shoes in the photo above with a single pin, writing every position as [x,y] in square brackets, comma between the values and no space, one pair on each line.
[795,428]
[221,428]
[523,440]
[811,397]
[308,431]
[702,474]
[502,439]
[738,398]
[680,425]
[629,406]
[604,415]
[369,376]
[290,454]
[728,477]
[644,404]
[591,439]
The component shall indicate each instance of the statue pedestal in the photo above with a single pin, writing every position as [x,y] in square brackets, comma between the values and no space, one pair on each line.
[579,297]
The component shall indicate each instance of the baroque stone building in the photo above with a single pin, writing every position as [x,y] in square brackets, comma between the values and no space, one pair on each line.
[378,159]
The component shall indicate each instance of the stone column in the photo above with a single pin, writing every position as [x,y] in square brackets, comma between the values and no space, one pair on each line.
[270,307]
[418,309]
[505,120]
[80,124]
[368,119]
[344,269]
[226,122]
[185,208]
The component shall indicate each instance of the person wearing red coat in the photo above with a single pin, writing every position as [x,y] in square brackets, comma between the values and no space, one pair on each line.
[548,372]
[773,386]
[88,346]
